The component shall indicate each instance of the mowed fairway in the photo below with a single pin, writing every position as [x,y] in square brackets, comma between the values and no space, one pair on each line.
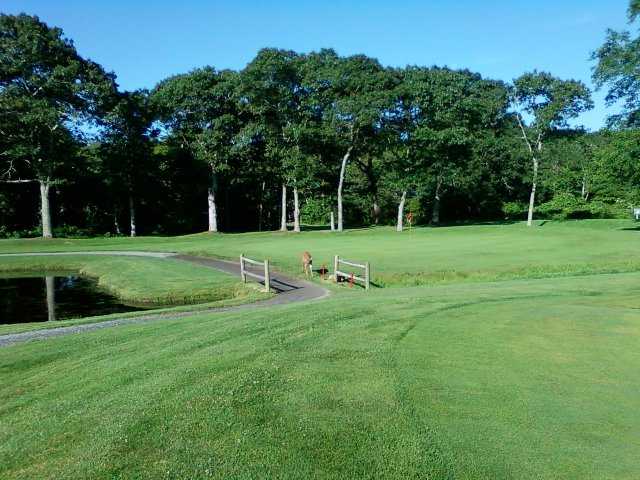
[521,378]
[422,256]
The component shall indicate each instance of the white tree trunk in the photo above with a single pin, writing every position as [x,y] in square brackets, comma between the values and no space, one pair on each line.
[532,197]
[376,212]
[132,215]
[333,222]
[585,190]
[49,282]
[343,169]
[435,214]
[399,225]
[45,210]
[116,224]
[213,210]
[296,210]
[283,217]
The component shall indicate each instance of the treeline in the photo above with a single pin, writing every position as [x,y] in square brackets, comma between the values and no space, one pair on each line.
[316,138]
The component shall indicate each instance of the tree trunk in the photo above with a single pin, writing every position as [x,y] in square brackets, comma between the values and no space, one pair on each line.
[45,210]
[296,210]
[213,210]
[585,190]
[376,212]
[399,225]
[435,214]
[49,282]
[116,224]
[532,197]
[260,206]
[333,222]
[283,216]
[343,169]
[132,215]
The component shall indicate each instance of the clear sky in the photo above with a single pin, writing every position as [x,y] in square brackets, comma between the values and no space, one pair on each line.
[143,42]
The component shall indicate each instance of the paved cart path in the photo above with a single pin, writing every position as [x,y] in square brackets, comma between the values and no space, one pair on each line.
[288,289]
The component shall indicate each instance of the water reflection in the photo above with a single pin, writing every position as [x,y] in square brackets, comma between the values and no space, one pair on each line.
[51,296]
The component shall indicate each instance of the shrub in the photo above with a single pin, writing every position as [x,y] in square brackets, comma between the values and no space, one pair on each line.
[316,211]
[564,206]
[71,231]
[514,210]
[414,205]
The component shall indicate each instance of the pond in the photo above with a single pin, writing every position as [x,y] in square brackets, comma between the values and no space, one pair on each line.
[50,296]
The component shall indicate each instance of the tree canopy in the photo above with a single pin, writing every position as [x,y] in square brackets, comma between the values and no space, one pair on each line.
[352,139]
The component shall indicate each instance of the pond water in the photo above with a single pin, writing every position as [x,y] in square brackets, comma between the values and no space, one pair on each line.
[50,296]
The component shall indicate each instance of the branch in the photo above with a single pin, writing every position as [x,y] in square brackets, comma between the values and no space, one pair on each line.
[524,134]
[539,141]
[18,181]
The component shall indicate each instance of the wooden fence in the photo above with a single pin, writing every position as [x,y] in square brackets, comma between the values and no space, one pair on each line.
[337,261]
[244,273]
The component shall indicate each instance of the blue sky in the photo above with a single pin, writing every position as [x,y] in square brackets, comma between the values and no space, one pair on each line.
[143,42]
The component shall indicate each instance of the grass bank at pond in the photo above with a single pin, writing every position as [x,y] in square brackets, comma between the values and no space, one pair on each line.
[422,256]
[514,379]
[253,295]
[142,281]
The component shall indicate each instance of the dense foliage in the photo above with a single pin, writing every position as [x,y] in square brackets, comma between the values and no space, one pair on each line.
[294,137]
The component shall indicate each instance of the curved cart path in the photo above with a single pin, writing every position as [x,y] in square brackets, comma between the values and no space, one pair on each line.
[289,290]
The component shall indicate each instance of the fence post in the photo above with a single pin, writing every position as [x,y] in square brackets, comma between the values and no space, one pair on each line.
[366,276]
[335,268]
[242,274]
[267,278]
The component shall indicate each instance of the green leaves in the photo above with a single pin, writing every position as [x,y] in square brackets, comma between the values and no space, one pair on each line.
[200,110]
[46,91]
[550,101]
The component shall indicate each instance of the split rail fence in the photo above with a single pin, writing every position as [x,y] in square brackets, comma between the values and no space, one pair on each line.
[244,272]
[365,280]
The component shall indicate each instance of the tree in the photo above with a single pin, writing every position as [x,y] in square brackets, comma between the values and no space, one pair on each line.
[353,94]
[614,170]
[618,66]
[47,93]
[270,85]
[200,109]
[441,115]
[549,103]
[126,147]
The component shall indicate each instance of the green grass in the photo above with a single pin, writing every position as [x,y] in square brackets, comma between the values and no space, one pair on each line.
[514,379]
[422,256]
[515,357]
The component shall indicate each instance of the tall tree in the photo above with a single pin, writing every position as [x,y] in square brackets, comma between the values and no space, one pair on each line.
[618,67]
[47,92]
[353,94]
[549,103]
[270,85]
[442,113]
[126,147]
[200,109]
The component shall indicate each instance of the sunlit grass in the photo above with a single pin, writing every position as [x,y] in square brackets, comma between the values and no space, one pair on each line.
[515,357]
[515,379]
[422,256]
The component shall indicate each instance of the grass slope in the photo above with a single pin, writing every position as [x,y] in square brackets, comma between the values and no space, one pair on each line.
[515,379]
[422,256]
[520,378]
